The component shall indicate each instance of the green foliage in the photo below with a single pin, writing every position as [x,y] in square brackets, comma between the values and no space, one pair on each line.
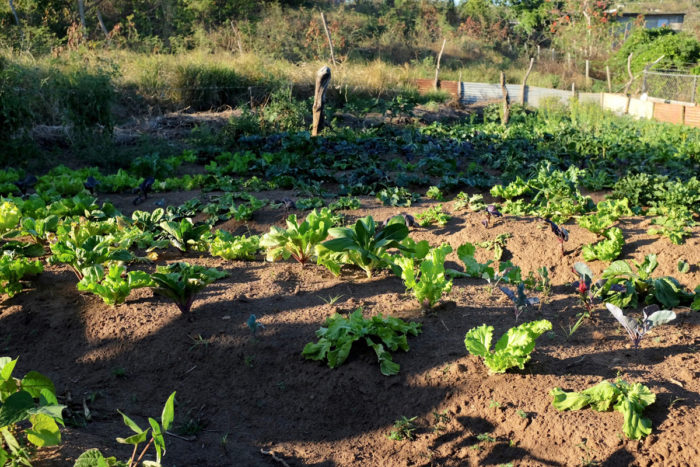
[114,285]
[403,429]
[230,247]
[299,239]
[596,223]
[433,215]
[345,203]
[429,283]
[9,217]
[605,250]
[435,193]
[186,235]
[87,97]
[472,268]
[13,269]
[628,399]
[464,201]
[498,244]
[94,458]
[624,287]
[181,282]
[512,349]
[306,204]
[339,334]
[675,223]
[647,45]
[397,196]
[30,414]
[364,246]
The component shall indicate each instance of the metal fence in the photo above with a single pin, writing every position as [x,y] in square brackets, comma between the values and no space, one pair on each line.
[671,86]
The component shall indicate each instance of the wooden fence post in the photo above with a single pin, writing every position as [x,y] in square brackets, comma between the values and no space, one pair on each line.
[629,72]
[506,103]
[437,66]
[695,89]
[607,75]
[524,86]
[323,77]
[588,72]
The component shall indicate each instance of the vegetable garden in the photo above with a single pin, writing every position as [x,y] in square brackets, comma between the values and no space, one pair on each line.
[449,294]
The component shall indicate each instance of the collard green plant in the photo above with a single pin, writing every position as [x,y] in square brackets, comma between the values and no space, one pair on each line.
[637,330]
[512,349]
[299,240]
[186,235]
[233,247]
[113,285]
[13,269]
[30,414]
[94,458]
[520,301]
[181,282]
[605,250]
[364,246]
[339,334]
[628,399]
[430,282]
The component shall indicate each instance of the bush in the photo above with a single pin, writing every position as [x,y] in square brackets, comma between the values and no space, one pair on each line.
[86,98]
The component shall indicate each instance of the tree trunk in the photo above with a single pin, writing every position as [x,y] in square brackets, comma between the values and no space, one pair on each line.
[102,26]
[323,77]
[328,36]
[14,12]
[81,12]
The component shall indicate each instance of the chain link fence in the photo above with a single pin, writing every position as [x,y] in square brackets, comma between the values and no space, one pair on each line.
[671,86]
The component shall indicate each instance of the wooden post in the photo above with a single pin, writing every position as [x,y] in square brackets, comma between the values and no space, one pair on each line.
[238,37]
[506,103]
[459,87]
[538,51]
[607,75]
[437,66]
[568,59]
[328,36]
[250,95]
[552,54]
[695,89]
[323,77]
[588,71]
[573,90]
[629,72]
[524,86]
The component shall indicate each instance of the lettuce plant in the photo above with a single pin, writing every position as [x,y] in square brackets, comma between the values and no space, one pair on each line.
[628,399]
[30,414]
[605,250]
[512,349]
[181,282]
[597,223]
[364,246]
[430,283]
[9,216]
[114,285]
[13,269]
[637,330]
[472,268]
[40,228]
[379,333]
[94,458]
[433,215]
[299,240]
[80,250]
[232,247]
[186,235]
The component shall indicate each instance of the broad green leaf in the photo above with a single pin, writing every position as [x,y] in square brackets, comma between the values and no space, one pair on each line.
[34,382]
[168,412]
[660,317]
[44,431]
[478,340]
[15,408]
[634,426]
[92,458]
[666,292]
[130,423]
[134,439]
[7,365]
[568,400]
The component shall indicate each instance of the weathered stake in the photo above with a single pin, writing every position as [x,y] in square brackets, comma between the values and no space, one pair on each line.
[328,36]
[323,77]
[506,103]
[437,67]
[607,75]
[524,87]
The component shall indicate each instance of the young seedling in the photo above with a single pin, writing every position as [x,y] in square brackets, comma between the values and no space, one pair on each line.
[404,429]
[520,301]
[561,233]
[142,190]
[254,325]
[90,184]
[635,330]
[490,211]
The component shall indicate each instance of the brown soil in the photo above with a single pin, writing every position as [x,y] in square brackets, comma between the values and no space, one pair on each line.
[238,395]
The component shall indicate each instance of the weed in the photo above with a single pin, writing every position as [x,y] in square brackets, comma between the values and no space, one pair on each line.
[198,341]
[486,437]
[404,429]
[494,404]
[331,300]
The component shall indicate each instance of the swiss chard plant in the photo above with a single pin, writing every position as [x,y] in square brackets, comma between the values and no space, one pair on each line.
[181,282]
[113,285]
[94,458]
[430,282]
[233,247]
[336,338]
[299,240]
[186,235]
[605,250]
[636,330]
[512,349]
[30,414]
[14,269]
[628,399]
[364,245]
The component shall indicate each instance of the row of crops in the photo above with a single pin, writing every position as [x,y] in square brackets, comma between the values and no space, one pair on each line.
[538,167]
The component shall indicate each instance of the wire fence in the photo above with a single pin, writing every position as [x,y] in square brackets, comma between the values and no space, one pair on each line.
[671,86]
